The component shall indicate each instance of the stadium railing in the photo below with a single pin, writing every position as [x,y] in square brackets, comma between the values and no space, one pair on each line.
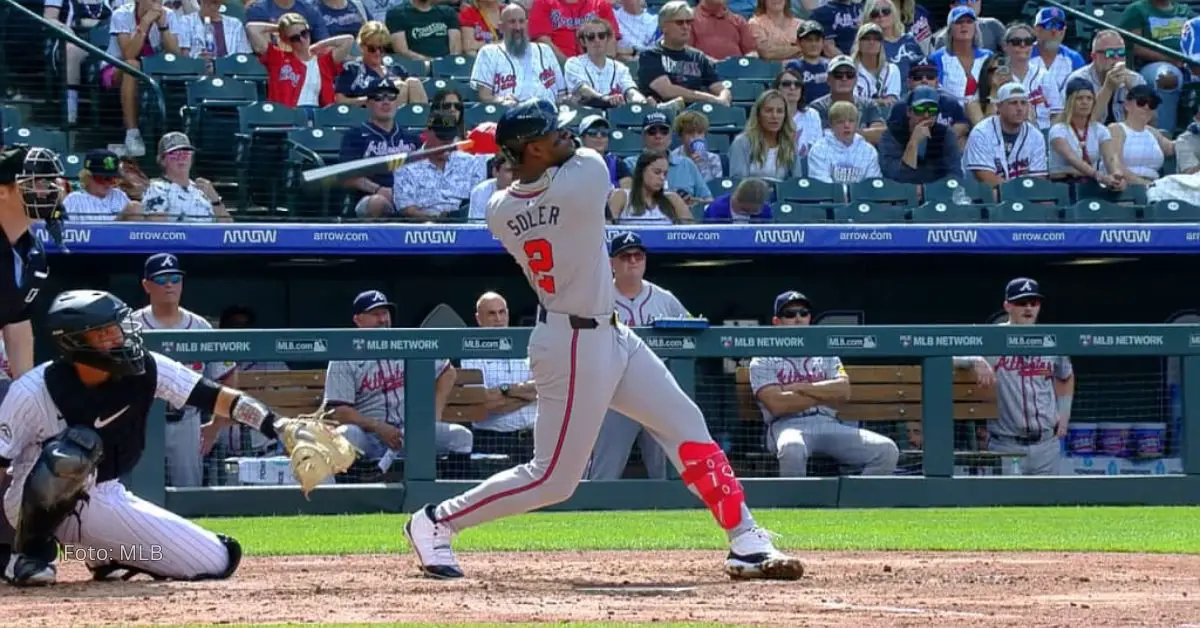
[929,346]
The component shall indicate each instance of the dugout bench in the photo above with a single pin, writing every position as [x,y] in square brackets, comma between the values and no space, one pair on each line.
[878,395]
[301,391]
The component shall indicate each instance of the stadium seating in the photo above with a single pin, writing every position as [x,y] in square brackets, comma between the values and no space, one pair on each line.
[722,119]
[1172,211]
[481,112]
[747,68]
[412,117]
[53,139]
[628,116]
[799,213]
[625,142]
[456,67]
[869,213]
[1036,190]
[722,186]
[244,67]
[311,148]
[882,191]
[943,212]
[263,129]
[949,190]
[72,165]
[1095,210]
[434,85]
[811,192]
[339,117]
[1022,211]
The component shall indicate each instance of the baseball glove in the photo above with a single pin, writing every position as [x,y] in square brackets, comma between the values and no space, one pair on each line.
[317,451]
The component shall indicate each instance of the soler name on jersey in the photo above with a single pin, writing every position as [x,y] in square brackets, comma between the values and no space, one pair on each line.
[533,217]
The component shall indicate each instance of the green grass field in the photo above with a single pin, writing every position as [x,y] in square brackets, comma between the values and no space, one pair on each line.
[1074,529]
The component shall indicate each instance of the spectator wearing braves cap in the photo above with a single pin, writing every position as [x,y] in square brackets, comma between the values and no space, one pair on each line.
[1049,54]
[1007,145]
[377,135]
[811,67]
[989,30]
[683,176]
[919,149]
[950,112]
[100,200]
[961,59]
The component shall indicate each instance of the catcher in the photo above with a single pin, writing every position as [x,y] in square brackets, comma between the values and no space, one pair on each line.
[70,428]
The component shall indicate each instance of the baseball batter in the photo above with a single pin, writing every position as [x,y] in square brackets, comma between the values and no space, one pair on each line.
[1033,393]
[162,279]
[552,222]
[796,396]
[368,395]
[639,303]
[71,427]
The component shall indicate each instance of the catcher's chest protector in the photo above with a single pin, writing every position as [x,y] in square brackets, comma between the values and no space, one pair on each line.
[116,410]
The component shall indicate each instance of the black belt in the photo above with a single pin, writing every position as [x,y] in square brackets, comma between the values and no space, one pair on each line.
[579,322]
[1028,439]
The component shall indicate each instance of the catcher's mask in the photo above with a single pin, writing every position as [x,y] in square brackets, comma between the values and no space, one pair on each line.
[115,348]
[526,122]
[43,185]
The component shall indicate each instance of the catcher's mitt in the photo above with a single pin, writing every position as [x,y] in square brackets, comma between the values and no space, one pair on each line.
[317,451]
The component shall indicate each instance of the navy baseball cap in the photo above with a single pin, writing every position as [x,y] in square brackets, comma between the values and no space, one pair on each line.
[371,299]
[161,264]
[102,162]
[923,95]
[788,298]
[655,119]
[1022,288]
[381,85]
[1051,16]
[623,242]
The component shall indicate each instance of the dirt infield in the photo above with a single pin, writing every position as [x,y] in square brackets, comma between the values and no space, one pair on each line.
[841,589]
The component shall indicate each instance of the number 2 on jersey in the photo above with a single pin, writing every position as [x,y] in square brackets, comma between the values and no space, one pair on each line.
[541,261]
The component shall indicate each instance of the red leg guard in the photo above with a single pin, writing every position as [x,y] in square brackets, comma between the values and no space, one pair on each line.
[706,468]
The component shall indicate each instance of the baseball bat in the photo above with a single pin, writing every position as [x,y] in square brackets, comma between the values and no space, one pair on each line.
[379,164]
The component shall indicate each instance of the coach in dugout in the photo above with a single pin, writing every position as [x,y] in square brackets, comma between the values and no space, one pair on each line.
[1034,393]
[796,394]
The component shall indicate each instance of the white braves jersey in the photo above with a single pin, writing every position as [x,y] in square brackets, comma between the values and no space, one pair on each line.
[29,416]
[611,80]
[831,161]
[179,204]
[872,86]
[81,206]
[776,371]
[986,150]
[536,75]
[1044,95]
[554,229]
[649,305]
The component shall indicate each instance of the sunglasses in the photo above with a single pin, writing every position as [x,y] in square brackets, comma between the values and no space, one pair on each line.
[632,256]
[1114,53]
[878,13]
[797,312]
[656,131]
[1027,302]
[597,133]
[925,109]
[374,49]
[790,83]
[104,179]
[383,97]
[1146,102]
[1055,26]
[871,37]
[844,75]
[298,37]
[163,280]
[1022,42]
[602,36]
[923,76]
[448,106]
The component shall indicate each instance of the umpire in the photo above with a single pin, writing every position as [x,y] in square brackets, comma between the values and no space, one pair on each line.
[30,188]
[1033,393]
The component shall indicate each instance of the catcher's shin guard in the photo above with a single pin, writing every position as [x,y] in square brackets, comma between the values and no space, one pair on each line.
[708,470]
[53,489]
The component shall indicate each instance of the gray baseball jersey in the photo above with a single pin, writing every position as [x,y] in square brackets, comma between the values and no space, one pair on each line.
[375,388]
[649,305]
[782,371]
[184,462]
[1025,393]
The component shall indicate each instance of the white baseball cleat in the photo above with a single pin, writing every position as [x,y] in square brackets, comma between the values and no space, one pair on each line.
[25,571]
[430,542]
[752,555]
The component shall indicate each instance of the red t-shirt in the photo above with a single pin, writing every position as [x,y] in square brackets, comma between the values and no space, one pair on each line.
[286,73]
[560,21]
[484,32]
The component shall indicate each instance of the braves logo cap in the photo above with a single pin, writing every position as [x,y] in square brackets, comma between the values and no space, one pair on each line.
[1022,288]
[787,298]
[371,299]
[161,264]
[623,242]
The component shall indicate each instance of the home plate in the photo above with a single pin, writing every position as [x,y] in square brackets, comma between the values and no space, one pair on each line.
[639,590]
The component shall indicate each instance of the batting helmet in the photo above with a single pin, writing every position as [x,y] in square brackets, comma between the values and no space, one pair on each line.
[75,312]
[526,122]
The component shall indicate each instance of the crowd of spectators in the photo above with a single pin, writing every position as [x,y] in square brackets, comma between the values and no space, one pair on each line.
[863,90]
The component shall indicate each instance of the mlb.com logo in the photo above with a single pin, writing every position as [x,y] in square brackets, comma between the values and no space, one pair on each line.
[359,344]
[487,344]
[168,346]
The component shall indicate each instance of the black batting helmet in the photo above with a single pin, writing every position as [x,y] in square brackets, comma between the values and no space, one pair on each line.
[526,122]
[75,312]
